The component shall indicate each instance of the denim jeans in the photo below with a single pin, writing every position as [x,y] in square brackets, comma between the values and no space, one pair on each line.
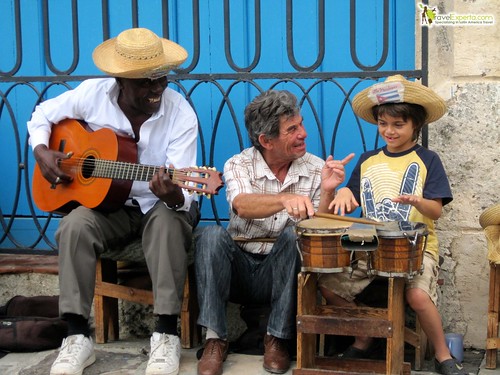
[225,273]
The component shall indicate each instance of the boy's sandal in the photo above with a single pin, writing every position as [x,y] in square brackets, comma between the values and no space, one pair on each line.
[354,353]
[450,367]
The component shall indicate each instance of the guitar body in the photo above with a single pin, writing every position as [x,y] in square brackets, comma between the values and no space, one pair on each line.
[98,193]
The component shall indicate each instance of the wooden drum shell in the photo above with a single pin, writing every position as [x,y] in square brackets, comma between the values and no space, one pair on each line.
[401,254]
[320,246]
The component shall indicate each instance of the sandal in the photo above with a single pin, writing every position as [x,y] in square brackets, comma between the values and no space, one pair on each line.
[354,353]
[450,367]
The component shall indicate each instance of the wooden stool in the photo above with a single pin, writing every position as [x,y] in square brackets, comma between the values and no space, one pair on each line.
[314,319]
[490,222]
[108,291]
[493,338]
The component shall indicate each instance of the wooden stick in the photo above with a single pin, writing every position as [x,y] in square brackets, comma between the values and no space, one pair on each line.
[347,218]
[257,239]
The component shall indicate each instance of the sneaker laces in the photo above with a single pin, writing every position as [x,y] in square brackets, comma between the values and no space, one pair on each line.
[70,349]
[163,348]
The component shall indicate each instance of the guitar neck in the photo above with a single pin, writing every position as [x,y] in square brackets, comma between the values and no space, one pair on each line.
[121,170]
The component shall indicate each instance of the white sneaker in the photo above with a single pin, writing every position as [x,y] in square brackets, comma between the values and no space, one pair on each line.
[165,355]
[76,353]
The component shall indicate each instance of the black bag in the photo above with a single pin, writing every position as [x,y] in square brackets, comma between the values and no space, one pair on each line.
[29,324]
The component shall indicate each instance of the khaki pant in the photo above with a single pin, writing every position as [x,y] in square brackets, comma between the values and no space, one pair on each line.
[84,234]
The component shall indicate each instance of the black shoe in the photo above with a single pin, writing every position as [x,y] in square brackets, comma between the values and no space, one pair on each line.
[450,367]
[354,353]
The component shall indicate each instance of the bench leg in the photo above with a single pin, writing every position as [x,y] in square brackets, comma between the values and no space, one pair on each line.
[106,308]
[190,330]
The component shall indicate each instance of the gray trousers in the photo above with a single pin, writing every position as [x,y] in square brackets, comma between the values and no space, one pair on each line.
[84,234]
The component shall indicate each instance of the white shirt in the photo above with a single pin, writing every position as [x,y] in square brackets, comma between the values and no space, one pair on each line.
[168,137]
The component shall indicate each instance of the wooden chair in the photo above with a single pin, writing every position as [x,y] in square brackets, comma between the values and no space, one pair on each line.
[490,222]
[108,291]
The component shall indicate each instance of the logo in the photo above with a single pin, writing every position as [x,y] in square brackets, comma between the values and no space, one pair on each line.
[430,16]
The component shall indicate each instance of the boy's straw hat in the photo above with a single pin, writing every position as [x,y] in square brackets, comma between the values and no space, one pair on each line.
[138,53]
[396,89]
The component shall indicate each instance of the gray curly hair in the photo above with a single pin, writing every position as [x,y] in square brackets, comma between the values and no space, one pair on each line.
[263,114]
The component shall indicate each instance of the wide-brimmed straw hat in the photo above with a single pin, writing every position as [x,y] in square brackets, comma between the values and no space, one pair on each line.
[138,53]
[490,216]
[396,89]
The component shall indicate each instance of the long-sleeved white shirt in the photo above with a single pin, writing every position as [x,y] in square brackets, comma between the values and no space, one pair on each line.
[168,137]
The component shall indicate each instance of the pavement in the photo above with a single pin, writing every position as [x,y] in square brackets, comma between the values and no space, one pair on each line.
[129,357]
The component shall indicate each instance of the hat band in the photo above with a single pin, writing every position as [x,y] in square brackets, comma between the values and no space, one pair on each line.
[387,92]
[131,57]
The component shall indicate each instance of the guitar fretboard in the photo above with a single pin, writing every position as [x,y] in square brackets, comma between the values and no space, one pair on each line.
[121,170]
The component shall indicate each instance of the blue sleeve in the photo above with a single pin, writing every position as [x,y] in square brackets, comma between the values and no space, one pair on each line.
[436,185]
[355,180]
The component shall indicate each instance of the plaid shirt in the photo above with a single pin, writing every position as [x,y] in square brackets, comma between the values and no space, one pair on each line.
[248,172]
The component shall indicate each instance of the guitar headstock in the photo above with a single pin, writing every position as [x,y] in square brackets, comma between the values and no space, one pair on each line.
[201,180]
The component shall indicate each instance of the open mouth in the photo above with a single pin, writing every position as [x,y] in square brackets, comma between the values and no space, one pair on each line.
[154,100]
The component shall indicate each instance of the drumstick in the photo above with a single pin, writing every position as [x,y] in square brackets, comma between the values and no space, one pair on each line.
[347,218]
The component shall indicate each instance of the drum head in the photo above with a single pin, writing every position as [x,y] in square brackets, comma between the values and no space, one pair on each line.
[401,229]
[321,226]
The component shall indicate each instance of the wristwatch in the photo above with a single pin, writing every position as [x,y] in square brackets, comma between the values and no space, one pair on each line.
[175,207]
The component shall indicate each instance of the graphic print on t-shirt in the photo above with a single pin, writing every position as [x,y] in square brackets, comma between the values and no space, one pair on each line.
[382,208]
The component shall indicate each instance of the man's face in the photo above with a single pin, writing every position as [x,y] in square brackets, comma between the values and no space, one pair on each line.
[143,95]
[290,144]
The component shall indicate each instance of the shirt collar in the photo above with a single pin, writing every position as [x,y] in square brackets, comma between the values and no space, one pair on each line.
[297,169]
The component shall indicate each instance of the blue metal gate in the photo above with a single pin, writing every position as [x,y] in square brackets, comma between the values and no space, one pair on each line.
[323,51]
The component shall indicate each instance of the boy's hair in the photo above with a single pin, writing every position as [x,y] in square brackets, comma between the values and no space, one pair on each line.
[406,111]
[263,114]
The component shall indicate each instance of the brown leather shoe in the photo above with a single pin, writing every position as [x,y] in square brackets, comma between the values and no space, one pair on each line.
[214,354]
[276,357]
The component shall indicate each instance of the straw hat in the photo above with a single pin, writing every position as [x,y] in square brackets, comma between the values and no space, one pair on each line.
[490,216]
[138,53]
[396,89]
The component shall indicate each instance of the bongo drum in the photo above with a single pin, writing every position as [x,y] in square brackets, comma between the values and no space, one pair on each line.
[400,251]
[320,247]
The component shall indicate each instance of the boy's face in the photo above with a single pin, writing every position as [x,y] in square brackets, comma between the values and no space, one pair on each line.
[396,132]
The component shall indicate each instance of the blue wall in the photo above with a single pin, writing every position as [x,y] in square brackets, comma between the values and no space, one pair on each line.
[323,51]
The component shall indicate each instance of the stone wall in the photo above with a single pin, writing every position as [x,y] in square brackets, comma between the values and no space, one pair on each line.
[464,70]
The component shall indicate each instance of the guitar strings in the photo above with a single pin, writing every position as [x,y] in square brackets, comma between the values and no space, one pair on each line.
[91,167]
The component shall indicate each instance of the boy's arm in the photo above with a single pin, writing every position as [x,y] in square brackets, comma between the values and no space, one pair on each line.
[431,208]
[344,202]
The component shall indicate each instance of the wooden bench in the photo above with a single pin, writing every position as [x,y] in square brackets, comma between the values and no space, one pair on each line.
[108,292]
[27,263]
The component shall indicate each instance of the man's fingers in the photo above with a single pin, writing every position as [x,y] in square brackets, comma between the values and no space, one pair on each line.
[347,159]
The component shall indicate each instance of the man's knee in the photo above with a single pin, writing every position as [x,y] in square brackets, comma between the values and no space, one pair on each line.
[208,241]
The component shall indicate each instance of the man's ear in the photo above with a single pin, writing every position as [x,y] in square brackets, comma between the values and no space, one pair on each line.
[265,142]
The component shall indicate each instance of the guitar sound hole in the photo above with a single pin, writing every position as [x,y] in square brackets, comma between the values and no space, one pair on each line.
[88,167]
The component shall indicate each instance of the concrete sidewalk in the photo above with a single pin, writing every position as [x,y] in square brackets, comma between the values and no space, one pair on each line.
[129,357]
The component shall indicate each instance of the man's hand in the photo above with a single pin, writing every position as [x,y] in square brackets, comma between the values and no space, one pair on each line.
[49,162]
[333,173]
[164,188]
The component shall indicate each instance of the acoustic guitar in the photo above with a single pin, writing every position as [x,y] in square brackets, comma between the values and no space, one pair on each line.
[103,166]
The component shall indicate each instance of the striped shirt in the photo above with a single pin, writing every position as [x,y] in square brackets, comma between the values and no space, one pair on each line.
[249,173]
